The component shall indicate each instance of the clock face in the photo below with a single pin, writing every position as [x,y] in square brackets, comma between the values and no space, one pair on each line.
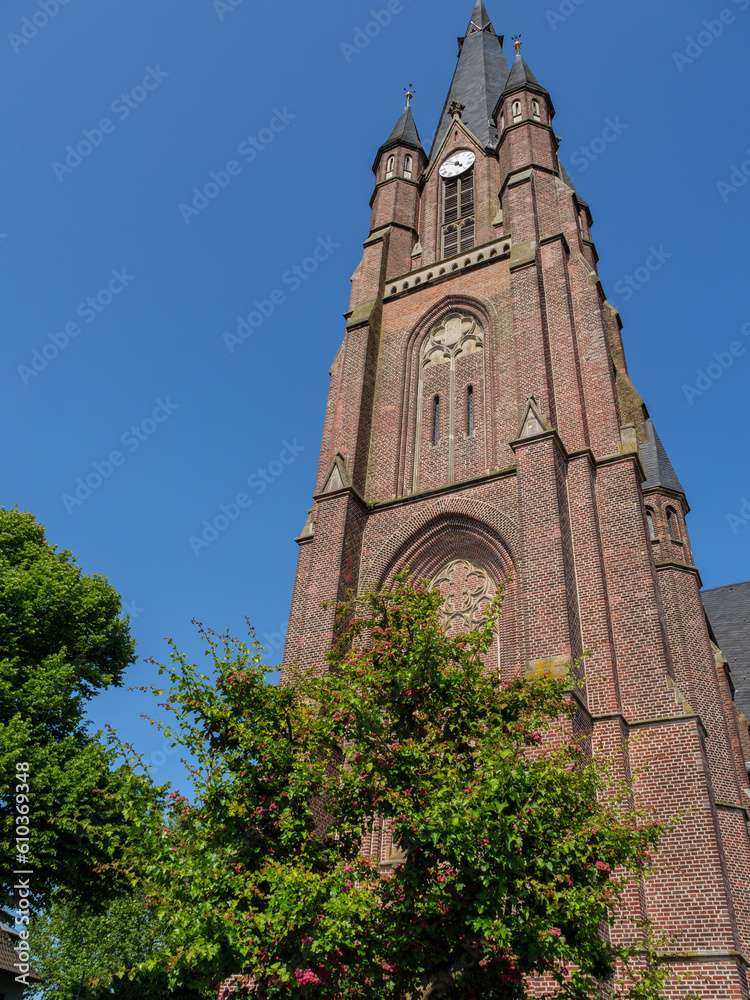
[458,163]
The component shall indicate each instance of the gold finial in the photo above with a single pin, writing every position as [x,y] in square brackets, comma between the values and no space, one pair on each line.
[409,94]
[517,43]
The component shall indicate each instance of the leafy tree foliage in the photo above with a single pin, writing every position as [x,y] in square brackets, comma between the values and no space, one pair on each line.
[77,949]
[62,640]
[516,848]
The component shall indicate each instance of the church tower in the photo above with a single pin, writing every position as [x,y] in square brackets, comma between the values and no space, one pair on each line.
[482,429]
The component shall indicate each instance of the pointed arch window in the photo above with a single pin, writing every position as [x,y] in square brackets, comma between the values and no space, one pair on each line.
[470,410]
[436,421]
[651,527]
[516,111]
[458,214]
[389,167]
[536,110]
[673,524]
[408,167]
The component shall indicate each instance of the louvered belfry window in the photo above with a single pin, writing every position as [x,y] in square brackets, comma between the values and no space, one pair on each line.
[458,214]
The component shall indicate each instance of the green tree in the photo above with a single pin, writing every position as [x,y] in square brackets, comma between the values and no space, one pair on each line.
[76,948]
[62,640]
[516,848]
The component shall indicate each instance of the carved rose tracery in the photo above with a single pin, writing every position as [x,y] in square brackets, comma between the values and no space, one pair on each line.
[467,591]
[455,336]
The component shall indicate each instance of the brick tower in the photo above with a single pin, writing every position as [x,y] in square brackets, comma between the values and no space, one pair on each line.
[481,427]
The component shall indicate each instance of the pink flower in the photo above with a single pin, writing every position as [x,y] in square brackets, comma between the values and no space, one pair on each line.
[556,932]
[387,967]
[603,867]
[306,978]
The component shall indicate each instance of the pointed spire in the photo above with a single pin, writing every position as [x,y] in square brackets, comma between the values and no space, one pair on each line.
[480,19]
[404,133]
[521,77]
[659,470]
[479,79]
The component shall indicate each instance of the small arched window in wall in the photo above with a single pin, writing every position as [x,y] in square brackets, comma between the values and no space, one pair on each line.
[408,167]
[470,410]
[536,110]
[436,421]
[389,167]
[651,528]
[674,524]
[516,111]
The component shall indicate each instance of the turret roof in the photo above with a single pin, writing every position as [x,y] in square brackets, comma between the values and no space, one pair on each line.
[521,78]
[404,133]
[659,470]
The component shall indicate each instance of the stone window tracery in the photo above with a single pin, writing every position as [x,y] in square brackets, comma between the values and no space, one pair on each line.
[450,403]
[467,590]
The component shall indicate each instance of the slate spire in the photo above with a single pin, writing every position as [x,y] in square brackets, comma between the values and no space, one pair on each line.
[480,19]
[404,133]
[521,77]
[659,470]
[479,79]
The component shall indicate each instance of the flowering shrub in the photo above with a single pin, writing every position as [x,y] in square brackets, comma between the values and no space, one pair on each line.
[509,831]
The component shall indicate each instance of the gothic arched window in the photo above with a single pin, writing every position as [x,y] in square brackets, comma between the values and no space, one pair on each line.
[651,528]
[389,167]
[516,111]
[450,445]
[408,167]
[535,110]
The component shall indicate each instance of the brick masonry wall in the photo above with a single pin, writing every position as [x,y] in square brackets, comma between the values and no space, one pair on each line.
[559,517]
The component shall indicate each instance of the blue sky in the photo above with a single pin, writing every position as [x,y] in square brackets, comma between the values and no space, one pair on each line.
[653,104]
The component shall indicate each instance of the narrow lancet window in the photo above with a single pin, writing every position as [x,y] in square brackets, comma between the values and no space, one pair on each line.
[389,167]
[535,110]
[674,528]
[408,167]
[436,421]
[470,410]
[516,111]
[651,528]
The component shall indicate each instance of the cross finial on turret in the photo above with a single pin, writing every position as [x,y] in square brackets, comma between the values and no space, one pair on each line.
[409,94]
[456,109]
[517,43]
